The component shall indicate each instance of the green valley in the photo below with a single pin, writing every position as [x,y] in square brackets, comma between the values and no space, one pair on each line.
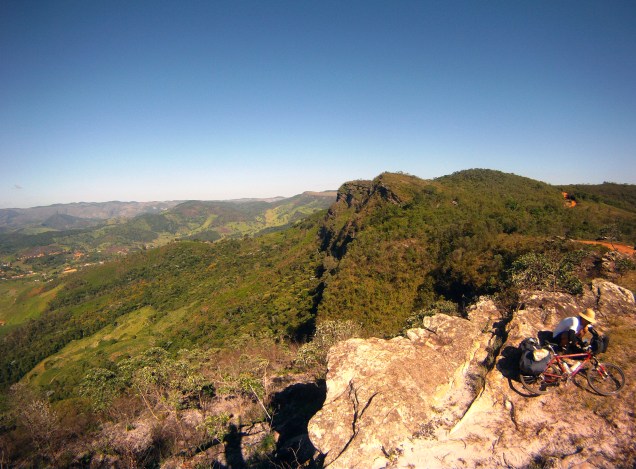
[31,246]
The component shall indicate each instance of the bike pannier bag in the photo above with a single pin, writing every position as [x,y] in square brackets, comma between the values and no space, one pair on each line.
[534,362]
[600,343]
[529,344]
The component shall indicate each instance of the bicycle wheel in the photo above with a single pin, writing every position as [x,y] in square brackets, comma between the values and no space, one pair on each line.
[606,379]
[542,383]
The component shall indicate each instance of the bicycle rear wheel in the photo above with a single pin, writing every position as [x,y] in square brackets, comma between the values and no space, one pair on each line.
[542,383]
[606,379]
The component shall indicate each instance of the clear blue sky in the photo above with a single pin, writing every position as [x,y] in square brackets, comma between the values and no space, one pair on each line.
[156,100]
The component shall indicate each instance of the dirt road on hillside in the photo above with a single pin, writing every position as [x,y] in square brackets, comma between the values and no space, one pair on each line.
[622,248]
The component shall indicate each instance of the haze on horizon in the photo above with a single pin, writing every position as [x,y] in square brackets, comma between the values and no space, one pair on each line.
[164,100]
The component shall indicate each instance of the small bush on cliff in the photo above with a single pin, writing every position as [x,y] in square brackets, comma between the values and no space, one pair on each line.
[438,307]
[314,353]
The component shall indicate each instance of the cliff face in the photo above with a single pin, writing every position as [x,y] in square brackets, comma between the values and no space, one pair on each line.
[448,395]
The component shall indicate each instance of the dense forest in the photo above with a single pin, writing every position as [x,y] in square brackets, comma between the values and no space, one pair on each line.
[387,252]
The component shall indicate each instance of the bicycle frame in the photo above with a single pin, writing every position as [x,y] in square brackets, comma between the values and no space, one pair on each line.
[605,379]
[565,373]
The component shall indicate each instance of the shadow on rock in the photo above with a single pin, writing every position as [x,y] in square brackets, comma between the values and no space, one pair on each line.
[508,363]
[233,450]
[517,387]
[293,408]
[545,337]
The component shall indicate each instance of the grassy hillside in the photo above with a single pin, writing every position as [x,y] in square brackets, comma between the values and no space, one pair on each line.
[22,300]
[399,244]
[208,294]
[386,250]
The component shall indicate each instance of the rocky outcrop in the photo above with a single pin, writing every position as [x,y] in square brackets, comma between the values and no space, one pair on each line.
[380,392]
[447,395]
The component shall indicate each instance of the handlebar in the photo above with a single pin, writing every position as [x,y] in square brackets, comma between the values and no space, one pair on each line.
[584,347]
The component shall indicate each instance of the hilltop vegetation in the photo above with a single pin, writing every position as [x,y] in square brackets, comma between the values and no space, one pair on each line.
[618,195]
[387,252]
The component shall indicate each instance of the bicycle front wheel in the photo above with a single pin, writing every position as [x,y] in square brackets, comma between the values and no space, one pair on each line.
[606,379]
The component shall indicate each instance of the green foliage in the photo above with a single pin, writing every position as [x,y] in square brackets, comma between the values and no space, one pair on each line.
[438,307]
[216,426]
[176,382]
[398,243]
[387,250]
[328,333]
[624,265]
[622,196]
[154,376]
[180,325]
[101,386]
[549,270]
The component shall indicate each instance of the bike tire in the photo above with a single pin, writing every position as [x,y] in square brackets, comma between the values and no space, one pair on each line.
[606,379]
[540,384]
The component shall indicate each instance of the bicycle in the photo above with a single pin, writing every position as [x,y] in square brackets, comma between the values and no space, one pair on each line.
[606,379]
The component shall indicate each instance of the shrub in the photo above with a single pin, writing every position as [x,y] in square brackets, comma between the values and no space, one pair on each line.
[101,386]
[328,333]
[438,307]
[216,426]
[550,271]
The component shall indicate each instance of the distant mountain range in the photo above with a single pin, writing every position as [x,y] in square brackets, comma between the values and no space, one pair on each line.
[122,226]
[86,214]
[79,214]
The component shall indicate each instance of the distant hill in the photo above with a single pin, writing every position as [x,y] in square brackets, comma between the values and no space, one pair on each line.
[610,193]
[130,226]
[82,212]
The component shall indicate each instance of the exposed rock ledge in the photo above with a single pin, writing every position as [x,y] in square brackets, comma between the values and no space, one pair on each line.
[447,395]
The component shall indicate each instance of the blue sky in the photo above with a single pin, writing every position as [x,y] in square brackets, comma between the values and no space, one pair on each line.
[158,100]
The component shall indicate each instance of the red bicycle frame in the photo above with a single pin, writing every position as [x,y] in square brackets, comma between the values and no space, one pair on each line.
[564,369]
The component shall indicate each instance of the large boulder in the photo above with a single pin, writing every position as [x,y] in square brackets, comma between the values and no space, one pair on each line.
[381,392]
[448,394]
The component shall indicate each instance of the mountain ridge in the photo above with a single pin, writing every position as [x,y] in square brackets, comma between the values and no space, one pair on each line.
[15,218]
[73,239]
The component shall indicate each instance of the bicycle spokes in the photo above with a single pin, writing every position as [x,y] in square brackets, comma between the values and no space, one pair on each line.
[606,379]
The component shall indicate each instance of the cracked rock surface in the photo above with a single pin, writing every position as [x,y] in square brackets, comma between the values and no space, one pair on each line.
[380,392]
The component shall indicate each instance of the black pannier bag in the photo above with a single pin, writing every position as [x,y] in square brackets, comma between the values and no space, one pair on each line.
[599,343]
[529,344]
[534,360]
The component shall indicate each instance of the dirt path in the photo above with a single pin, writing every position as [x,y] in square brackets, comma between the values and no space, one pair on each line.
[622,248]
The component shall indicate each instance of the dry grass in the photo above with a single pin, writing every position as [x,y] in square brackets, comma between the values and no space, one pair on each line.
[628,280]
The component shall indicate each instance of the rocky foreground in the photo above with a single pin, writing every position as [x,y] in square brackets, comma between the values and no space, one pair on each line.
[447,395]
